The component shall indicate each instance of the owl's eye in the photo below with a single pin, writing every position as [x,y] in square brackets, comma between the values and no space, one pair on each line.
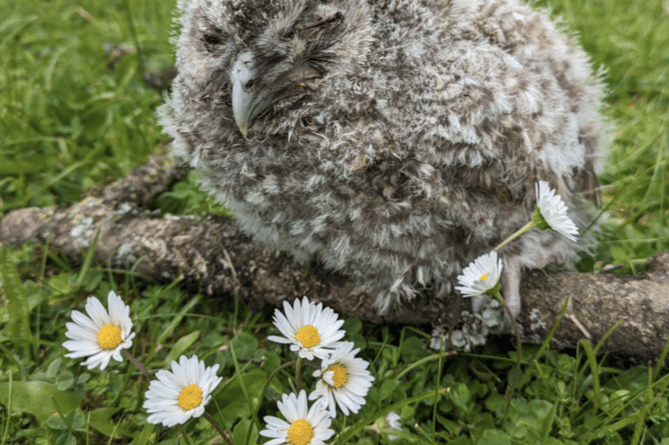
[327,22]
[212,39]
[316,25]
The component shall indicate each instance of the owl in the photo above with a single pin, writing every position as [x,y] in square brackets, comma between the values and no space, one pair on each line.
[394,141]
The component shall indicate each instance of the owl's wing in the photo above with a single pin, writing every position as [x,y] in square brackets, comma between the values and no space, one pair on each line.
[515,94]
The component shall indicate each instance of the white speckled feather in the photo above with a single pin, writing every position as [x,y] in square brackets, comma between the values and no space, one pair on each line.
[403,138]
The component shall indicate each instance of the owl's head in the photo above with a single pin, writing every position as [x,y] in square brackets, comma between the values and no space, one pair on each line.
[252,58]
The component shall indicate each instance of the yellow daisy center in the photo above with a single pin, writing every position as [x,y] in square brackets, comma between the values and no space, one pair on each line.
[308,336]
[339,374]
[484,277]
[109,336]
[300,432]
[190,397]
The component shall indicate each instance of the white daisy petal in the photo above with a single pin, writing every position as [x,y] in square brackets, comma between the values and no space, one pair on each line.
[178,371]
[310,330]
[326,433]
[102,334]
[77,332]
[480,276]
[83,321]
[116,306]
[327,377]
[345,380]
[389,421]
[177,396]
[304,427]
[80,350]
[302,407]
[291,315]
[116,355]
[275,423]
[97,312]
[273,433]
[277,339]
[554,211]
[100,360]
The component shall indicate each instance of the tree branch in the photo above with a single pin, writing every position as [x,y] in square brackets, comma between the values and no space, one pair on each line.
[212,255]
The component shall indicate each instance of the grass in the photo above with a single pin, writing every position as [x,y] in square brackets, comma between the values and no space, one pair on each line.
[631,42]
[69,121]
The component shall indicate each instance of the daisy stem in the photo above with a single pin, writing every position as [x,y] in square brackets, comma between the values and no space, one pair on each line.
[183,434]
[60,413]
[269,380]
[312,364]
[519,351]
[264,390]
[220,430]
[134,361]
[238,373]
[297,374]
[520,231]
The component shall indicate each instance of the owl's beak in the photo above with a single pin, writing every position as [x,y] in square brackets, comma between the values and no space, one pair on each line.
[248,100]
[241,107]
[242,98]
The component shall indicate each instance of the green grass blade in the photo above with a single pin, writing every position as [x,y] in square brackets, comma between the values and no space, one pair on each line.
[348,435]
[17,303]
[544,345]
[87,261]
[660,362]
[169,329]
[9,408]
[608,334]
[594,368]
[641,414]
[181,346]
[238,373]
[146,434]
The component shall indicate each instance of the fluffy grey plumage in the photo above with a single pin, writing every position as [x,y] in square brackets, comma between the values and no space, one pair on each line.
[394,140]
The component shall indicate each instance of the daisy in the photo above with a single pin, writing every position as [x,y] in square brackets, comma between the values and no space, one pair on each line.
[308,328]
[481,277]
[301,427]
[344,379]
[389,421]
[393,420]
[103,335]
[181,394]
[552,212]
